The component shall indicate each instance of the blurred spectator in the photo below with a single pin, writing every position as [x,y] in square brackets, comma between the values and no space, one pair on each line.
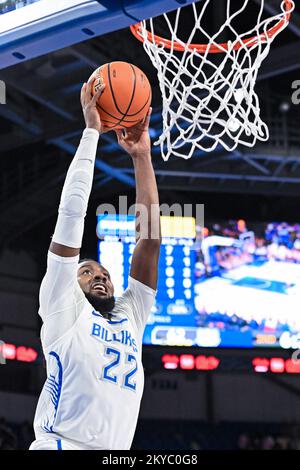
[244,442]
[276,241]
[282,443]
[267,443]
[194,445]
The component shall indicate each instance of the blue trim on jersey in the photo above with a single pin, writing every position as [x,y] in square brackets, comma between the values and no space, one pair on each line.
[96,314]
[59,446]
[53,386]
[112,322]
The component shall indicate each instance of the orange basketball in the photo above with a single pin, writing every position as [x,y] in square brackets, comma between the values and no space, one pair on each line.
[127,95]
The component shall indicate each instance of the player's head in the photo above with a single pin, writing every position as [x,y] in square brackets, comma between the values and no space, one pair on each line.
[96,284]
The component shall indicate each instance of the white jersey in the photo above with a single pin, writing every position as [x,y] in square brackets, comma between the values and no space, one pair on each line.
[95,376]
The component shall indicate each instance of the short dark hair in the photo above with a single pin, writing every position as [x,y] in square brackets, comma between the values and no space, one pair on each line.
[83,260]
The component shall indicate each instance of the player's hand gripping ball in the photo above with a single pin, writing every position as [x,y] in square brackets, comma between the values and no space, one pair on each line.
[126,98]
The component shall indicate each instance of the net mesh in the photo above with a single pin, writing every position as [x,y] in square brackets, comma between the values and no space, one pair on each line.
[209,98]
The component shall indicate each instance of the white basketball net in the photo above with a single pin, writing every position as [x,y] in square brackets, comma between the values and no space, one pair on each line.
[208,104]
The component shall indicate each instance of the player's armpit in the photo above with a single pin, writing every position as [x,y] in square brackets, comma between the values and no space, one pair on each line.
[141,298]
[144,265]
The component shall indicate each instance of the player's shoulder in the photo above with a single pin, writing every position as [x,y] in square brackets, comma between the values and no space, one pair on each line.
[135,291]
[137,296]
[135,304]
[123,302]
[136,286]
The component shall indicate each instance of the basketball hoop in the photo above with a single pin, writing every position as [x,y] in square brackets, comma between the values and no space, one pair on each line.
[208,88]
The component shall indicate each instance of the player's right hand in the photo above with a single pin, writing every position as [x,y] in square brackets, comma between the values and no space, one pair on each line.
[89,108]
[136,140]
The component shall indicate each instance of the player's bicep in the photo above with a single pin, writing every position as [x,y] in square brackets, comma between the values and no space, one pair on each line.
[58,286]
[144,264]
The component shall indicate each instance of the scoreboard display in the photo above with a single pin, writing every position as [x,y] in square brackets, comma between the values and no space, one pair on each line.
[233,287]
[172,318]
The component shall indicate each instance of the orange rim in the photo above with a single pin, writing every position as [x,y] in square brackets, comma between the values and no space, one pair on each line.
[216,49]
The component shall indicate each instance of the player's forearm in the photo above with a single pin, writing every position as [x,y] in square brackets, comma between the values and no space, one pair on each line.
[76,191]
[147,199]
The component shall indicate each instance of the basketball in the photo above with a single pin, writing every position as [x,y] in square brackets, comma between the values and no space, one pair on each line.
[127,95]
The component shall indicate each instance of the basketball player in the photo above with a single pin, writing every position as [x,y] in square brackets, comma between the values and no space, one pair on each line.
[91,342]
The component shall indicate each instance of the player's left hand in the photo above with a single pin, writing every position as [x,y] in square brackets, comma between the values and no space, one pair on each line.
[136,140]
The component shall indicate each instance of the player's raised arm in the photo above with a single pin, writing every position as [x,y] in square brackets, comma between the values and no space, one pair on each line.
[67,237]
[58,305]
[136,142]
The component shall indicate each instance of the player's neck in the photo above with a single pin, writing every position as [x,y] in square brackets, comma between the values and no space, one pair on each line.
[103,306]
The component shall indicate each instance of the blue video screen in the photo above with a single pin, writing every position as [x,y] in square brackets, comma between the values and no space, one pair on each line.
[230,284]
[248,284]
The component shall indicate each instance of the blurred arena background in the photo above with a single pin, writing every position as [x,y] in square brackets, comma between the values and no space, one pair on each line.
[218,345]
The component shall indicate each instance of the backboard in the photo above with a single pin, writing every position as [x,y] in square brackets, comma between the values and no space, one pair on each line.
[30,28]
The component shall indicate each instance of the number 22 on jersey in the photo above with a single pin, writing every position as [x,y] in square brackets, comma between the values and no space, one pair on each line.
[108,373]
